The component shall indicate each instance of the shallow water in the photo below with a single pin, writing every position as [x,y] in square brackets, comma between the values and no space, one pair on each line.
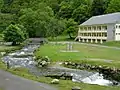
[25,58]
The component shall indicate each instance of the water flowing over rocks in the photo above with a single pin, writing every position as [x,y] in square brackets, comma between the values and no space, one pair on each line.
[25,58]
[22,58]
[104,72]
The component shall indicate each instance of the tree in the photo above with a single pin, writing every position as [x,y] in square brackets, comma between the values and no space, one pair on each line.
[55,27]
[14,34]
[113,6]
[36,20]
[65,10]
[97,7]
[1,4]
[5,20]
[70,27]
[81,14]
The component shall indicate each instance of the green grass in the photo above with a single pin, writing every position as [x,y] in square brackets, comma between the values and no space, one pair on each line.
[61,38]
[112,43]
[4,48]
[85,52]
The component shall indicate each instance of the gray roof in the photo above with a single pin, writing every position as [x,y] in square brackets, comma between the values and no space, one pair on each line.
[103,19]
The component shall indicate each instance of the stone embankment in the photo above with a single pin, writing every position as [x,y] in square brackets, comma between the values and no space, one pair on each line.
[108,72]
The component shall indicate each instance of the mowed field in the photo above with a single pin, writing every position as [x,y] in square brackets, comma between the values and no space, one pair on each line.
[86,54]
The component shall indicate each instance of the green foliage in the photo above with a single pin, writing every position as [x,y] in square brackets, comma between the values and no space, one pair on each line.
[5,20]
[36,20]
[81,13]
[113,6]
[71,27]
[65,10]
[46,18]
[97,7]
[55,27]
[14,34]
[1,4]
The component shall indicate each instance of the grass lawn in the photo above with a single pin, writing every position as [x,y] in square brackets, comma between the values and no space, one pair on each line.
[112,43]
[61,38]
[87,54]
[8,48]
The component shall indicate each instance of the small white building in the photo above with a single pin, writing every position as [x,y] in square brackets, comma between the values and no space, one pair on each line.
[100,28]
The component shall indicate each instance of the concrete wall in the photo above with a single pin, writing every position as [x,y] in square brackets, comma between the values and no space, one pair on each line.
[110,32]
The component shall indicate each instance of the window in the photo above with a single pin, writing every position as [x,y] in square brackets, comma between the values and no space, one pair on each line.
[105,34]
[81,28]
[99,27]
[105,27]
[89,28]
[117,33]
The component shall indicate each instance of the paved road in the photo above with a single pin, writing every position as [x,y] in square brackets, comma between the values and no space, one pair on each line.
[12,82]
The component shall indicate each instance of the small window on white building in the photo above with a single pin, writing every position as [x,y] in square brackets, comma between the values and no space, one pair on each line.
[81,28]
[85,28]
[89,28]
[99,27]
[105,34]
[105,27]
[116,26]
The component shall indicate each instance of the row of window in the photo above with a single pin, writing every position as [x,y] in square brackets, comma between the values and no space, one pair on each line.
[93,34]
[117,33]
[117,26]
[94,28]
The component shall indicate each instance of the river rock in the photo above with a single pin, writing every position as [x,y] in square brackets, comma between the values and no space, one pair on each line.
[3,53]
[55,81]
[76,88]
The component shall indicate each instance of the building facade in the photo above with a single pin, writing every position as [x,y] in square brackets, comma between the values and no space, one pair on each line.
[99,29]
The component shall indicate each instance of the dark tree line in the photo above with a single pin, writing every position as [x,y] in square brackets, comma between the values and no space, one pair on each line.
[51,18]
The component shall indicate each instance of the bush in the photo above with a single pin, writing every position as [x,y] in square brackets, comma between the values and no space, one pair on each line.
[14,34]
[43,61]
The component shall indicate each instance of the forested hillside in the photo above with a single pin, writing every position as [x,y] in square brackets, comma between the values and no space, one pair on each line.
[50,18]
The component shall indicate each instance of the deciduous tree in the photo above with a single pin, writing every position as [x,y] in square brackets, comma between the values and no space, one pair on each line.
[14,34]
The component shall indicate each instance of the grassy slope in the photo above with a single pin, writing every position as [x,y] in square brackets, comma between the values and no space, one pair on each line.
[112,43]
[85,51]
[61,38]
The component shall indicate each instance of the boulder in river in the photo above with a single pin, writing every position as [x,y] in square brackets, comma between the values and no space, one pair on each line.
[55,81]
[76,88]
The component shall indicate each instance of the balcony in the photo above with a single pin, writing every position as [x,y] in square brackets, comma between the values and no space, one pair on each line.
[91,37]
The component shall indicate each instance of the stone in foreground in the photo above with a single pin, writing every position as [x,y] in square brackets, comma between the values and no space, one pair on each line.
[76,88]
[55,81]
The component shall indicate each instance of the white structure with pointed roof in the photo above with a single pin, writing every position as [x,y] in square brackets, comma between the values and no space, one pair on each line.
[100,28]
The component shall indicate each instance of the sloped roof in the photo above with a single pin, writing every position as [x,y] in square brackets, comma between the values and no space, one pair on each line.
[103,19]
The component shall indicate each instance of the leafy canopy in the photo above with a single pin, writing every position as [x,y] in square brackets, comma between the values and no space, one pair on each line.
[14,34]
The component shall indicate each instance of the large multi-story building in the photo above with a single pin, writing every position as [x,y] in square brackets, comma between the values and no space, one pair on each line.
[100,28]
